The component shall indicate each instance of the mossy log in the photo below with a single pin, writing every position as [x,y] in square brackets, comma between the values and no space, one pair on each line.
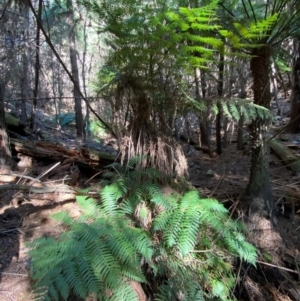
[15,127]
[12,121]
[292,161]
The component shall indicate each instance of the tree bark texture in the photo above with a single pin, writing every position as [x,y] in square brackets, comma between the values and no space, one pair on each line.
[36,66]
[5,152]
[75,74]
[24,87]
[295,97]
[260,68]
[220,94]
[25,63]
[242,81]
[259,191]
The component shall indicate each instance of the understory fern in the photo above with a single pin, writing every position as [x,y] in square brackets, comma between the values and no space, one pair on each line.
[232,108]
[177,246]
[235,108]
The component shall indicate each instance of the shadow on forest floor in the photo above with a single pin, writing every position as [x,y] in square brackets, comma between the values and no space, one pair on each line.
[25,216]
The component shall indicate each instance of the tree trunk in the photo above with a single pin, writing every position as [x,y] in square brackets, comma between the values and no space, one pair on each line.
[83,75]
[5,152]
[240,133]
[295,97]
[275,89]
[75,74]
[219,115]
[22,58]
[204,117]
[24,87]
[204,133]
[36,66]
[242,82]
[258,192]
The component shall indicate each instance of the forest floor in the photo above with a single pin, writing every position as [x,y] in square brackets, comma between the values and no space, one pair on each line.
[25,216]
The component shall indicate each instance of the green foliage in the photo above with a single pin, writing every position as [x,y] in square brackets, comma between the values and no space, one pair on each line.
[97,129]
[268,22]
[232,108]
[66,118]
[196,29]
[248,36]
[155,49]
[181,245]
[235,108]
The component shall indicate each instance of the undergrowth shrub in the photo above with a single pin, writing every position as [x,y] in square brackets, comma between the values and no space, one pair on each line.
[179,246]
[97,129]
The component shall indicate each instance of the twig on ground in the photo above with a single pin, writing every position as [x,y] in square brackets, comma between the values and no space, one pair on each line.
[13,274]
[278,267]
[47,171]
[220,181]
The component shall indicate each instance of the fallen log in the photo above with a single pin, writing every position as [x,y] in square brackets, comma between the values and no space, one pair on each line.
[38,190]
[81,156]
[286,155]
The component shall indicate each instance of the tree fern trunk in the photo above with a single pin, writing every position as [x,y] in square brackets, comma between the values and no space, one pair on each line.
[260,68]
[295,97]
[259,188]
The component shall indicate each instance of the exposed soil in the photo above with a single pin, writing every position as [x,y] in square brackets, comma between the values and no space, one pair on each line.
[25,215]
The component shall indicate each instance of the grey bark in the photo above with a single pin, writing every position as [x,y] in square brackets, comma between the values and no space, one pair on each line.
[5,152]
[74,70]
[37,65]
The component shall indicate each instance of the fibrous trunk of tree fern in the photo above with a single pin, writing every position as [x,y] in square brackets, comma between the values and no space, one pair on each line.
[141,137]
[258,197]
[295,98]
[258,192]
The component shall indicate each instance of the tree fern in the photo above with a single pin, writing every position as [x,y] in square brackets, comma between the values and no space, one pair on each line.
[135,232]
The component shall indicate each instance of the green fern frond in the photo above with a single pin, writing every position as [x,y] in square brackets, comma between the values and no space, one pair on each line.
[214,108]
[110,195]
[234,111]
[243,112]
[187,244]
[225,110]
[91,208]
[90,255]
[63,218]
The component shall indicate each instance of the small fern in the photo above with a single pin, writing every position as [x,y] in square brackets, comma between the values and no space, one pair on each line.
[181,242]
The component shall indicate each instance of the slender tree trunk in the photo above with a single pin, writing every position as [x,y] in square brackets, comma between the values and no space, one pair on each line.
[24,87]
[240,133]
[295,97]
[5,152]
[204,117]
[36,66]
[242,94]
[75,74]
[48,40]
[275,90]
[24,63]
[83,75]
[219,115]
[259,191]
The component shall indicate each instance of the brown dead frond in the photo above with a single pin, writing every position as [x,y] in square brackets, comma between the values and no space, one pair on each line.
[143,136]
